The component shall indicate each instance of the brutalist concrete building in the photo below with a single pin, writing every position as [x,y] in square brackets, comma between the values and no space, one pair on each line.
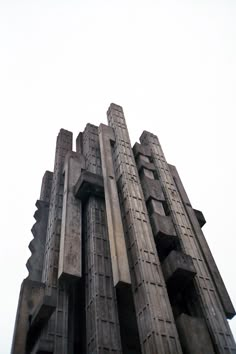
[119,261]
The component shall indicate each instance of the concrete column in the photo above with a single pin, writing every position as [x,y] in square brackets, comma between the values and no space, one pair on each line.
[208,297]
[70,258]
[55,333]
[119,259]
[102,325]
[155,320]
[219,284]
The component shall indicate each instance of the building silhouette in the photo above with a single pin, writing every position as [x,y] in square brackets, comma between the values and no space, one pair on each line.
[119,261]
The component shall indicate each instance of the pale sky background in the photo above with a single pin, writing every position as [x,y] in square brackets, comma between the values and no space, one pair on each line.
[170,64]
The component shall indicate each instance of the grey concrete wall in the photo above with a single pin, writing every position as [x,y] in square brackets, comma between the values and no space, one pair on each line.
[155,320]
[219,284]
[70,256]
[208,297]
[102,325]
[119,259]
[55,334]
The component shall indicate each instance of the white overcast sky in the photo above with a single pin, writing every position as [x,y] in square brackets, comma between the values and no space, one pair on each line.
[170,64]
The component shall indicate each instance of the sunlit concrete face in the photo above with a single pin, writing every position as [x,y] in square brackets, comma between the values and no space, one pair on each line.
[119,261]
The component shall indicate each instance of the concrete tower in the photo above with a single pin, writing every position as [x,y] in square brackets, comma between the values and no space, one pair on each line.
[119,261]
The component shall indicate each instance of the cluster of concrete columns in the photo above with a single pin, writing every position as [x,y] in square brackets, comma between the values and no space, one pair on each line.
[119,262]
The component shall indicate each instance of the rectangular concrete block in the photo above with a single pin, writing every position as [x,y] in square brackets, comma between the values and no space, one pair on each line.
[144,164]
[152,189]
[88,184]
[70,257]
[163,227]
[139,149]
[154,206]
[119,259]
[178,270]
[146,173]
[200,217]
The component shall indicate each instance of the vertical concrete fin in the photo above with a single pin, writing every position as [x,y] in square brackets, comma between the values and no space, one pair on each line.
[157,330]
[102,323]
[119,259]
[219,284]
[70,262]
[208,297]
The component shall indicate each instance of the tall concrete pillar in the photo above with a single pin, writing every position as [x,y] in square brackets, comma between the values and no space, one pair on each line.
[54,335]
[102,322]
[219,284]
[119,259]
[157,330]
[70,258]
[208,298]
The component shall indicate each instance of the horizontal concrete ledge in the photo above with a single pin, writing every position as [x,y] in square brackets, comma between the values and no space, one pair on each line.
[43,311]
[68,278]
[178,270]
[87,184]
[40,317]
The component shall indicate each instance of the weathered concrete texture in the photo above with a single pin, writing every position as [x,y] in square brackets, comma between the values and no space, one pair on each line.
[178,270]
[139,149]
[39,230]
[106,218]
[155,206]
[200,217]
[46,186]
[30,294]
[39,317]
[144,165]
[194,335]
[119,259]
[102,324]
[152,189]
[89,184]
[207,295]
[219,284]
[55,333]
[157,331]
[163,230]
[37,245]
[70,258]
